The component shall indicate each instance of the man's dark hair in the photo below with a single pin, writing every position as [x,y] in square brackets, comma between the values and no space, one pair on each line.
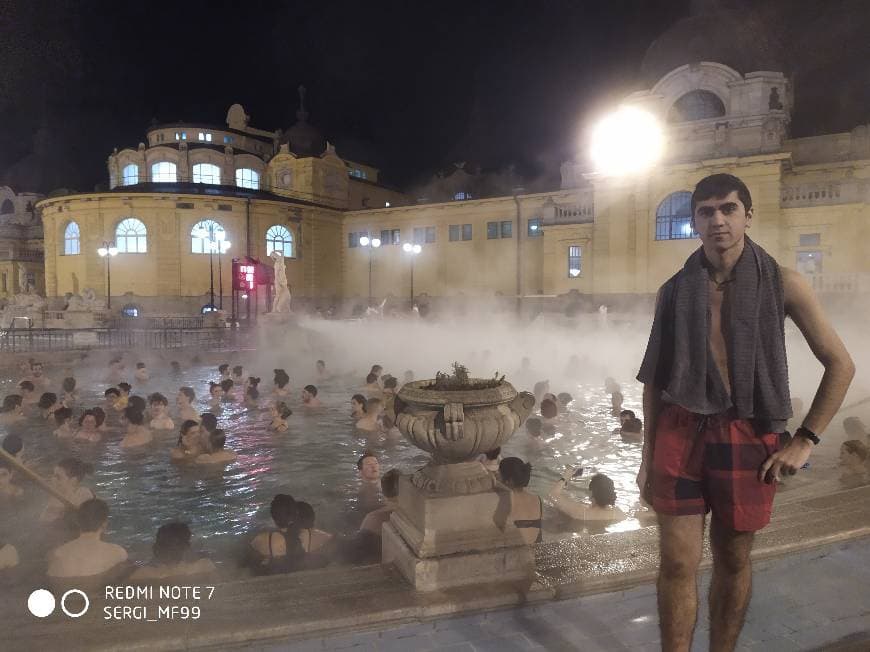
[633,425]
[311,389]
[26,384]
[12,444]
[92,514]
[208,421]
[125,387]
[390,382]
[188,392]
[112,391]
[627,413]
[172,542]
[371,378]
[359,462]
[717,186]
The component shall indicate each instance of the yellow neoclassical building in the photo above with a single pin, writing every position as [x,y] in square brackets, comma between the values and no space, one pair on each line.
[596,239]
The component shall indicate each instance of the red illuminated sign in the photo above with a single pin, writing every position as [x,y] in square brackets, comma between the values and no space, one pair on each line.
[245,274]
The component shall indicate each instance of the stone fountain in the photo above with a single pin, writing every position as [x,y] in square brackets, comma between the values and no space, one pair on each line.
[451,526]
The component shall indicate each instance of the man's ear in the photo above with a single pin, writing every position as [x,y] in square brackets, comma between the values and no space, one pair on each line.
[749,214]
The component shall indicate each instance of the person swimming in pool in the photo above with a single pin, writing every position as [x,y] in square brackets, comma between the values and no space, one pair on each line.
[138,434]
[280,412]
[189,446]
[88,428]
[309,397]
[66,480]
[172,556]
[282,383]
[159,406]
[217,453]
[370,421]
[63,421]
[184,401]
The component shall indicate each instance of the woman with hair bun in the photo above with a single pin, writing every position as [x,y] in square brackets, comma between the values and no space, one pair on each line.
[602,506]
[527,510]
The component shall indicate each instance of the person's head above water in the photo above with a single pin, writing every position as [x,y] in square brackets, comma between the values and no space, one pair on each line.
[224,368]
[284,511]
[602,491]
[358,402]
[390,382]
[171,543]
[137,402]
[26,386]
[321,365]
[134,415]
[633,426]
[140,365]
[377,369]
[374,406]
[88,420]
[533,426]
[47,400]
[12,444]
[208,421]
[100,415]
[549,409]
[74,468]
[514,473]
[92,515]
[69,384]
[304,516]
[188,394]
[112,393]
[311,392]
[368,466]
[564,398]
[62,415]
[157,399]
[281,378]
[283,410]
[11,403]
[238,371]
[371,379]
[227,384]
[721,211]
[125,388]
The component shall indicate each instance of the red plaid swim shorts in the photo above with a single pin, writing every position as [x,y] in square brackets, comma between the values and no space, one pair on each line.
[711,463]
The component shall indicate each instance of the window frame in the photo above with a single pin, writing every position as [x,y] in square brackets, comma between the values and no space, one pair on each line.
[213,227]
[493,230]
[197,175]
[125,177]
[430,230]
[579,259]
[535,232]
[156,176]
[671,221]
[132,234]
[68,239]
[510,229]
[271,240]
[251,184]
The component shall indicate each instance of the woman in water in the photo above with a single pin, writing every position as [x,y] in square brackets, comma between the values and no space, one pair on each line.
[278,550]
[282,383]
[217,453]
[160,419]
[252,394]
[310,537]
[66,480]
[602,507]
[216,392]
[227,387]
[70,397]
[48,404]
[189,446]
[88,428]
[280,413]
[370,421]
[357,406]
[526,509]
[172,556]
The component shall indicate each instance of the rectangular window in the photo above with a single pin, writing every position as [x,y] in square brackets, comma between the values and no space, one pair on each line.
[391,236]
[809,262]
[201,136]
[507,228]
[419,235]
[177,136]
[354,236]
[492,230]
[466,232]
[208,138]
[671,227]
[228,139]
[455,232]
[430,234]
[536,227]
[574,261]
[810,239]
[183,135]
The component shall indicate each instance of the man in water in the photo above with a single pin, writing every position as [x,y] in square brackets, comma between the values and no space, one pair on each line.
[715,398]
[370,481]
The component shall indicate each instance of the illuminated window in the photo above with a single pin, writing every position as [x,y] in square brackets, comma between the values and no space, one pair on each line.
[674,217]
[247,178]
[536,227]
[492,230]
[72,243]
[279,238]
[391,237]
[574,261]
[164,171]
[131,237]
[228,139]
[424,235]
[130,310]
[507,228]
[207,308]
[462,196]
[696,105]
[130,174]
[205,235]
[206,173]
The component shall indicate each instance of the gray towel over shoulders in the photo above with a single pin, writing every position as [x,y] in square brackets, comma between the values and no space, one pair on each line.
[678,358]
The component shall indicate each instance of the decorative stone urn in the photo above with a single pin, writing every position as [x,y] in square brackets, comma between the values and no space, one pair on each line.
[451,526]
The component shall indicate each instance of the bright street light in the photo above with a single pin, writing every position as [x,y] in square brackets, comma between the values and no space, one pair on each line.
[108,251]
[627,141]
[364,241]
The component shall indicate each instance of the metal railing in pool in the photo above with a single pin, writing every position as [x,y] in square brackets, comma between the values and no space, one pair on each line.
[64,339]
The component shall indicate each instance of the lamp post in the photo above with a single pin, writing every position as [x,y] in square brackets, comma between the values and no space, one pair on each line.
[208,239]
[413,250]
[222,246]
[370,244]
[108,251]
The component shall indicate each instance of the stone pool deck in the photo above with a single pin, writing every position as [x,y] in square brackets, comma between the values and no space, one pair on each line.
[372,608]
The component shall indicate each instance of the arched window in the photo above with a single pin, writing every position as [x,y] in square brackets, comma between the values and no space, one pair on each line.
[206,173]
[696,105]
[674,217]
[164,171]
[7,208]
[248,178]
[131,237]
[130,174]
[207,308]
[279,238]
[205,235]
[130,310]
[72,243]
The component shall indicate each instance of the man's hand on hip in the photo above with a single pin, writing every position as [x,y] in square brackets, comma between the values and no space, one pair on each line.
[786,461]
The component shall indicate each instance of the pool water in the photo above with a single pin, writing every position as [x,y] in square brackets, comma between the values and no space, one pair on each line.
[314,461]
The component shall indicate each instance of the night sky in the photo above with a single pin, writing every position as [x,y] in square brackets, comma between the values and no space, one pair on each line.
[408,86]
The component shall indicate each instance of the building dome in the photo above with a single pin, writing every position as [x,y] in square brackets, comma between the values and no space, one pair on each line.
[740,42]
[303,139]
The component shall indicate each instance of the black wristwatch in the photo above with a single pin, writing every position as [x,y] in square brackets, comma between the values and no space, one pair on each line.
[809,434]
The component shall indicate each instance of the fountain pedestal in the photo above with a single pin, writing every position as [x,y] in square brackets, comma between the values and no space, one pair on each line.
[451,526]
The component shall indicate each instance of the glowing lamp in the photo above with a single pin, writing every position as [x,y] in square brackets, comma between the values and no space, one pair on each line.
[628,141]
[364,241]
[407,247]
[417,249]
[574,273]
[387,204]
[376,242]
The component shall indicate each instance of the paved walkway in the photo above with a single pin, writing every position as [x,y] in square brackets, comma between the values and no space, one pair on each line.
[817,600]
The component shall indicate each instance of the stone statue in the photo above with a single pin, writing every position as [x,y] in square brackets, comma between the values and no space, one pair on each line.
[773,102]
[86,302]
[281,302]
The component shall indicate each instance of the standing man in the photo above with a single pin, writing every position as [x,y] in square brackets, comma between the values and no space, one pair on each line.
[715,398]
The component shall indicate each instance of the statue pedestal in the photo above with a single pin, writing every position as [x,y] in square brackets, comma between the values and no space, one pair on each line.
[456,533]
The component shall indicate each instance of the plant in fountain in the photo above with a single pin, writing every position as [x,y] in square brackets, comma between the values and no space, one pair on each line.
[460,381]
